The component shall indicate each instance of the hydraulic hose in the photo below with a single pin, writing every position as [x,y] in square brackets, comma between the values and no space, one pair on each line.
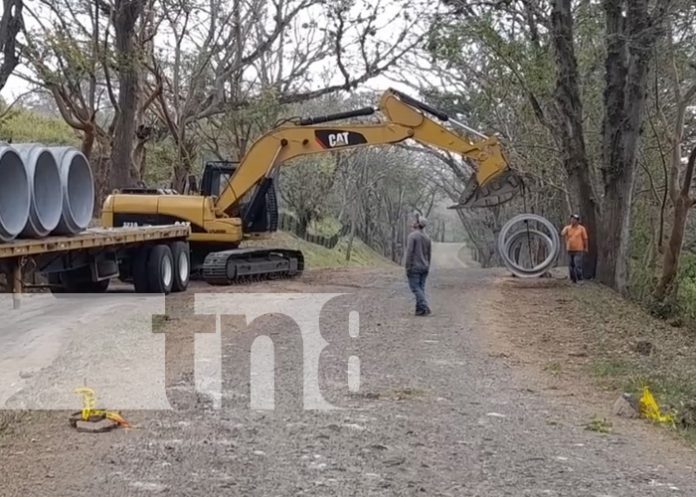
[510,240]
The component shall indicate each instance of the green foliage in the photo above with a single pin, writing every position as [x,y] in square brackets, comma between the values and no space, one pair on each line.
[686,294]
[159,160]
[22,126]
[304,186]
[641,264]
[317,256]
[599,425]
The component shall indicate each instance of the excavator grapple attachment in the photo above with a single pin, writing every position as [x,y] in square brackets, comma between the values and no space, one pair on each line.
[496,190]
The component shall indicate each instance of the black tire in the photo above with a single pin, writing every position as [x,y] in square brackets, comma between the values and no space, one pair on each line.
[182,266]
[139,270]
[160,270]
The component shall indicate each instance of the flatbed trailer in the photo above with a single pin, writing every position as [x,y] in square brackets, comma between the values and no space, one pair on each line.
[155,259]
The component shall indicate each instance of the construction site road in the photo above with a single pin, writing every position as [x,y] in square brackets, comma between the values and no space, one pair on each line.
[437,413]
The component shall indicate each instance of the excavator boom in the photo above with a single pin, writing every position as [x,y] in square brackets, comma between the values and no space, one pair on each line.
[492,183]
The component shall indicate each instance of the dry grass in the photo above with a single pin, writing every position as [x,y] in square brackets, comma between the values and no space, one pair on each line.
[591,332]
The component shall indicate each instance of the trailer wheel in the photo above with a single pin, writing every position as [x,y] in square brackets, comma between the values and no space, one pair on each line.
[160,269]
[139,270]
[182,266]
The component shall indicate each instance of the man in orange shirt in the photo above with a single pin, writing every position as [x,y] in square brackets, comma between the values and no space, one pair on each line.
[576,244]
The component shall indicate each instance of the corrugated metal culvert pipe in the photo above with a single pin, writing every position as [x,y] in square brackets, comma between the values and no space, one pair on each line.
[529,245]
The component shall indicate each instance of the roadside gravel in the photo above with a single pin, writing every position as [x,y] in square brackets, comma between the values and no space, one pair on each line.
[438,413]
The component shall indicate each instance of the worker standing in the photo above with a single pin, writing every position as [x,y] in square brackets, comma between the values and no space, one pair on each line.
[575,236]
[417,263]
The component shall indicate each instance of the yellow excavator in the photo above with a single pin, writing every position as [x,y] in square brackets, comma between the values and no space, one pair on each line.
[237,201]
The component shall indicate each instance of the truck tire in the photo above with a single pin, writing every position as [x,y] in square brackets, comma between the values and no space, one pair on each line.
[160,270]
[139,270]
[182,266]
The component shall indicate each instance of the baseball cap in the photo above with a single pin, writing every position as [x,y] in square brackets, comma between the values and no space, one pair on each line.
[576,216]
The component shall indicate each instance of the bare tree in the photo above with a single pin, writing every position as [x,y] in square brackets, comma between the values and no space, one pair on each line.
[683,202]
[209,72]
[70,52]
[679,195]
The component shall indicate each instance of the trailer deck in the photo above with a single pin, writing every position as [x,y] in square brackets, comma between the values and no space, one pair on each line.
[18,254]
[92,238]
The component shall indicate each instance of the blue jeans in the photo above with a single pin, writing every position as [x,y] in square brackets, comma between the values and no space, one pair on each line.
[416,282]
[575,266]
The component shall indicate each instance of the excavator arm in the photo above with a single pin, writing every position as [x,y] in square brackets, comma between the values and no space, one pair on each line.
[403,118]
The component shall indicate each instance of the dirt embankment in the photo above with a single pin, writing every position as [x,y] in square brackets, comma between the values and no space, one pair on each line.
[588,342]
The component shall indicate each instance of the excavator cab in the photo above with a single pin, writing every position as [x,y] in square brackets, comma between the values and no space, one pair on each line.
[259,209]
[216,176]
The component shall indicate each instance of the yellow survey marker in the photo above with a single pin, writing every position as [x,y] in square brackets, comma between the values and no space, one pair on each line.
[89,401]
[650,409]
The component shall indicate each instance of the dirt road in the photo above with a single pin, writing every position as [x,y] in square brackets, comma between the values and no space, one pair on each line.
[438,413]
[450,256]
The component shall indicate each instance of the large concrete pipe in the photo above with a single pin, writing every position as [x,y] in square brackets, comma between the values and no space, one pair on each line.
[15,197]
[509,244]
[46,193]
[77,183]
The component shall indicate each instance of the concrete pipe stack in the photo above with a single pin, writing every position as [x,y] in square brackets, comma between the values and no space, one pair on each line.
[44,191]
[529,245]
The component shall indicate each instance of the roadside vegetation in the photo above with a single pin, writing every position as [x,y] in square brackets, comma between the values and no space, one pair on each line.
[590,335]
[317,257]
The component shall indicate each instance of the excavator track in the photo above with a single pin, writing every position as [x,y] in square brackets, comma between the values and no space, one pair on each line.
[237,266]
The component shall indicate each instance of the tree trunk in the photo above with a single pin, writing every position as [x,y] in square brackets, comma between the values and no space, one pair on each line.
[304,220]
[670,264]
[612,267]
[631,34]
[570,134]
[125,17]
[10,26]
[672,251]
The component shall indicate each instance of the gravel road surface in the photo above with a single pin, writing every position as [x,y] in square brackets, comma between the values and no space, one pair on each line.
[436,413]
